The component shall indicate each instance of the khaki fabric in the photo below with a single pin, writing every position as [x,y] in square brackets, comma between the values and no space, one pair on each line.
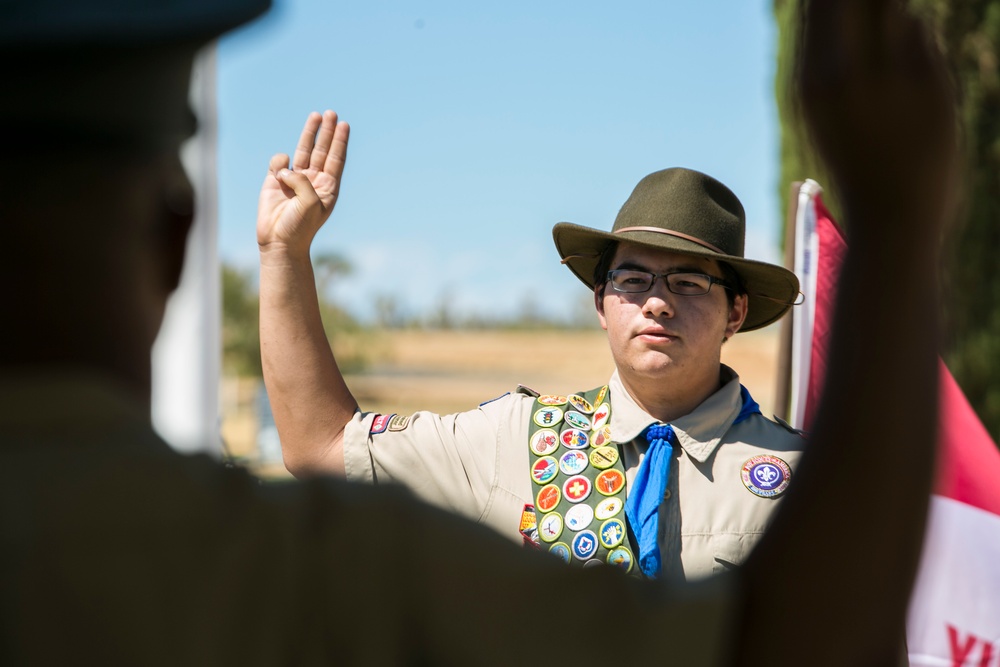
[116,550]
[476,463]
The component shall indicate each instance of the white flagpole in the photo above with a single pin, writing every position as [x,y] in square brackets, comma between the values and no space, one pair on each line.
[806,260]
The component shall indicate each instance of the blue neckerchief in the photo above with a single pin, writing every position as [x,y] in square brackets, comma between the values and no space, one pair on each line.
[749,408]
[643,504]
[642,507]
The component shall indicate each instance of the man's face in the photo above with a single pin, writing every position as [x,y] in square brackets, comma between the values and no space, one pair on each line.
[656,334]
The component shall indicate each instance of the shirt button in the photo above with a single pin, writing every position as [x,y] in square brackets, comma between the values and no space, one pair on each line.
[666,494]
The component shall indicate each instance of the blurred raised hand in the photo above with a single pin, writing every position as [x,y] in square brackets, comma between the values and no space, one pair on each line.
[295,202]
[876,97]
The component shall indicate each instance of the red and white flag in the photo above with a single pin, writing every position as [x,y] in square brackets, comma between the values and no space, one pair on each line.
[954,616]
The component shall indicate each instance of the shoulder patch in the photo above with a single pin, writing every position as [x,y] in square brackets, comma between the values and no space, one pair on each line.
[497,398]
[788,427]
[527,391]
[398,422]
[380,424]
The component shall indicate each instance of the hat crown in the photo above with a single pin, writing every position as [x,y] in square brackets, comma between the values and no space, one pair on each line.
[688,203]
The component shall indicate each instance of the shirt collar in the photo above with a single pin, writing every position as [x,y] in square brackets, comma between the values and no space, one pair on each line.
[698,432]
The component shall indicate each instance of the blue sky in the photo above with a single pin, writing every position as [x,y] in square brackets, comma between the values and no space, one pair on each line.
[477,126]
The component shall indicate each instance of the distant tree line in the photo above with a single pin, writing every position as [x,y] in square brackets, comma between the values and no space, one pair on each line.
[357,344]
[969,33]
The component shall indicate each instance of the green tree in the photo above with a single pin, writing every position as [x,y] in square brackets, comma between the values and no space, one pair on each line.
[353,344]
[969,34]
[240,323]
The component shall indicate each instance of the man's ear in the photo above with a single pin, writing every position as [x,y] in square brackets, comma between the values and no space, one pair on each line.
[176,219]
[737,314]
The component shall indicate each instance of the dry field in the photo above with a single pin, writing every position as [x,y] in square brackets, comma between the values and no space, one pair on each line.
[451,371]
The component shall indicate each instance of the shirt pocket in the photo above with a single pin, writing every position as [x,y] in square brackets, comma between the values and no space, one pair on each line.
[729,550]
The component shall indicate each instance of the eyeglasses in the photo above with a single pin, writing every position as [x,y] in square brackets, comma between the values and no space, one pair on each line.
[685,284]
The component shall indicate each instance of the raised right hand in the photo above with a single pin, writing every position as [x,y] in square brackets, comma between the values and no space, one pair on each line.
[294,203]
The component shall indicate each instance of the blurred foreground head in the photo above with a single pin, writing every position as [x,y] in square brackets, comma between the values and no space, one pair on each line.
[95,204]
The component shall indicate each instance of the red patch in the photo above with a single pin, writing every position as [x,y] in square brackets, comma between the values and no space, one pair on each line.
[380,423]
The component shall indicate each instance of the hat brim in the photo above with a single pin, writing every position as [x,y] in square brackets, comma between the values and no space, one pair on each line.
[771,289]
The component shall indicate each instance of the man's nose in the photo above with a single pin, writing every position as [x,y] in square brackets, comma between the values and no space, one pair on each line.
[659,301]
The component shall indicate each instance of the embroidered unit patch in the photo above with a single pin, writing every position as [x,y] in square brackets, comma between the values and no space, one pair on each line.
[398,422]
[380,424]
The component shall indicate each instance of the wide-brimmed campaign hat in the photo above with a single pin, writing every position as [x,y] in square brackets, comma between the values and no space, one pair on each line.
[684,211]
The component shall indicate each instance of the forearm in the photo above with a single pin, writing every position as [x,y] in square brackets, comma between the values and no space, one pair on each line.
[854,519]
[309,398]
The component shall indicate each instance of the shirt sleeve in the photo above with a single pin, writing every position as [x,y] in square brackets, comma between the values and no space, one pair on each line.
[447,460]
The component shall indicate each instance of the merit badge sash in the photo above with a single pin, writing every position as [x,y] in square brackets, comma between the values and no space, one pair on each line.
[578,479]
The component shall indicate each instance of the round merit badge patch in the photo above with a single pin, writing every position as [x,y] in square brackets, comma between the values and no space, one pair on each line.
[576,488]
[544,442]
[550,527]
[621,557]
[579,517]
[580,403]
[577,420]
[584,545]
[560,550]
[552,400]
[601,415]
[548,416]
[547,498]
[766,476]
[544,469]
[574,438]
[573,462]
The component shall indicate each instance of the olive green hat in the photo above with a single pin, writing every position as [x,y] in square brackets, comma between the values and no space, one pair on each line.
[684,211]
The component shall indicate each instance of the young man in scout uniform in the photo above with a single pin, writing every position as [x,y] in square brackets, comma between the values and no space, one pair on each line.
[117,550]
[564,471]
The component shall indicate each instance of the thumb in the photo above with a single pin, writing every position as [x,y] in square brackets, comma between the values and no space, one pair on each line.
[299,184]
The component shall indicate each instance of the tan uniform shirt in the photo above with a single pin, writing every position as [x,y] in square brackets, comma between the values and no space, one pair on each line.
[476,463]
[116,550]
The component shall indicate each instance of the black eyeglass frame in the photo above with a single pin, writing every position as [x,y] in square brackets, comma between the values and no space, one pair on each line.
[712,280]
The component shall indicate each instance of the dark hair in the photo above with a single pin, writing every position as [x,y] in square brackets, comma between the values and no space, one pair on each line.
[729,274]
[603,266]
[731,277]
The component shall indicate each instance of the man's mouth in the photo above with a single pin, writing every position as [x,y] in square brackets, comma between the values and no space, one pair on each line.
[656,334]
